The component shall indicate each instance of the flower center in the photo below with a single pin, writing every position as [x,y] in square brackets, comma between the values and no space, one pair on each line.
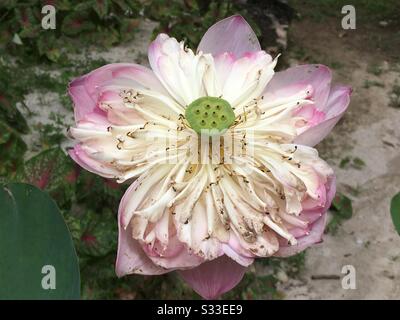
[210,115]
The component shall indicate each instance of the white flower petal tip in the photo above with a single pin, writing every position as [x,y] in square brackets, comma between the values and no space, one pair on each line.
[131,259]
[213,278]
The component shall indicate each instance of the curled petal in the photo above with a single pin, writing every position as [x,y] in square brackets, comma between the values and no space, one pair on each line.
[131,258]
[86,90]
[312,237]
[86,162]
[315,229]
[247,76]
[314,79]
[178,68]
[121,74]
[236,252]
[83,102]
[338,101]
[213,278]
[233,35]
[174,256]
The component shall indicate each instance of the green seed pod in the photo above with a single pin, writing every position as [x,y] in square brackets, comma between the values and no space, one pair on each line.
[210,115]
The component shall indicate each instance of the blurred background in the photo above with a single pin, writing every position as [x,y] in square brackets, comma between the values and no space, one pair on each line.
[36,65]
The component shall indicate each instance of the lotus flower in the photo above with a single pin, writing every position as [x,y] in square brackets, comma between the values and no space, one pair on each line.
[209,220]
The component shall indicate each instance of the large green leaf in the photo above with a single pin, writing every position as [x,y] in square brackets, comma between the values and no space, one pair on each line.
[33,235]
[395,211]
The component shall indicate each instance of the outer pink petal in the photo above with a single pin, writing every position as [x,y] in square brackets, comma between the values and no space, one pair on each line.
[316,229]
[132,74]
[314,77]
[130,257]
[155,51]
[313,237]
[83,102]
[232,35]
[81,157]
[181,257]
[213,278]
[236,252]
[96,120]
[236,256]
[337,104]
[85,90]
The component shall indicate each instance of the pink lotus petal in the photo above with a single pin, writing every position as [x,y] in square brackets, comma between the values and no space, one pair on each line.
[311,114]
[316,229]
[130,257]
[337,104]
[299,232]
[338,101]
[85,90]
[83,102]
[128,73]
[213,278]
[236,256]
[314,236]
[155,51]
[314,78]
[96,120]
[232,35]
[176,256]
[311,204]
[242,71]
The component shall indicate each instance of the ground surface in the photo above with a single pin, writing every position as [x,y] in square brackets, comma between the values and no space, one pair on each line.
[370,131]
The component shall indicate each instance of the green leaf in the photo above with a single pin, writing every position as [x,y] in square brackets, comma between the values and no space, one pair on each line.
[53,171]
[48,45]
[342,210]
[64,5]
[12,149]
[122,5]
[95,233]
[395,211]
[342,205]
[358,163]
[33,235]
[98,192]
[27,22]
[344,162]
[75,23]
